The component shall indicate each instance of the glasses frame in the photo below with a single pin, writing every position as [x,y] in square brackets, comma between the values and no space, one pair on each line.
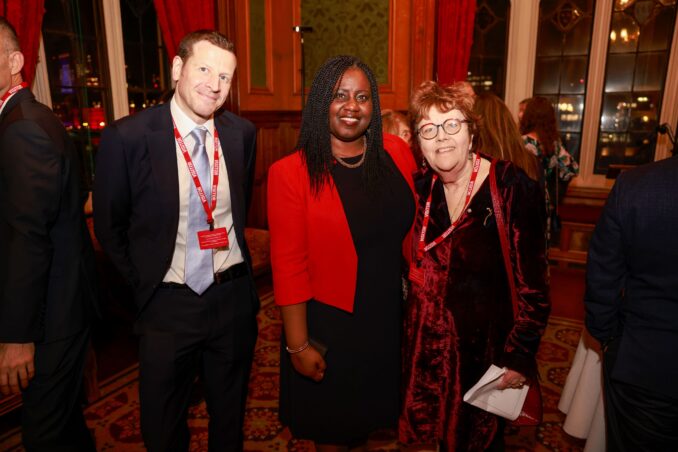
[442,126]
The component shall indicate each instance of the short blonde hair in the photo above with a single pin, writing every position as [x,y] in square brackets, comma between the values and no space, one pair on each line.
[391,119]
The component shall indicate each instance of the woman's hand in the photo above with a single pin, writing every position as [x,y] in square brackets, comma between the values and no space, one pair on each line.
[309,363]
[512,379]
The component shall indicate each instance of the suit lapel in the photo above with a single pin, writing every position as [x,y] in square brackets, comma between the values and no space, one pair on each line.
[232,148]
[162,153]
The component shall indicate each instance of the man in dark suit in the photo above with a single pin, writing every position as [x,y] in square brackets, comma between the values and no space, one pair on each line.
[47,280]
[159,175]
[632,307]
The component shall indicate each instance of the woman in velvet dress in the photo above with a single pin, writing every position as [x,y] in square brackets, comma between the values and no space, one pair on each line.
[339,210]
[459,316]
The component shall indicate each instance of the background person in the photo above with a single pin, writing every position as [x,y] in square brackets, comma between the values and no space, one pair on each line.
[631,305]
[47,281]
[541,137]
[498,135]
[197,307]
[339,209]
[396,123]
[521,108]
[459,315]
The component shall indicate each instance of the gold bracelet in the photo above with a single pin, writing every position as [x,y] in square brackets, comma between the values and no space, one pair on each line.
[292,351]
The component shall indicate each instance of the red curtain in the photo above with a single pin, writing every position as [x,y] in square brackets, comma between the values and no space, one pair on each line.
[455,38]
[178,17]
[26,18]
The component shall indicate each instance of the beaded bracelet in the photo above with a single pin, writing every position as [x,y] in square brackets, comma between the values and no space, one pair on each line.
[292,351]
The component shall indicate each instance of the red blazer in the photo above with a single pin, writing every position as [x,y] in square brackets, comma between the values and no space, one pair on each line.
[312,252]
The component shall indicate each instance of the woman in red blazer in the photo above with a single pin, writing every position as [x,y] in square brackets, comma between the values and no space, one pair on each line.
[340,209]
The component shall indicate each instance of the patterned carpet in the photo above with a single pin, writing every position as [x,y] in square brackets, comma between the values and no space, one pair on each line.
[114,419]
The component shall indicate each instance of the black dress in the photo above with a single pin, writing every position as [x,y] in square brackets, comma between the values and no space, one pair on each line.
[360,392]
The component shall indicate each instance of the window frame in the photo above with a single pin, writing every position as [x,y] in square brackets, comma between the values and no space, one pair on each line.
[523,31]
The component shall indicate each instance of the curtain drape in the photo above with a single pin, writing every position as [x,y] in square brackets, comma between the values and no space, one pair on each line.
[178,17]
[26,18]
[455,38]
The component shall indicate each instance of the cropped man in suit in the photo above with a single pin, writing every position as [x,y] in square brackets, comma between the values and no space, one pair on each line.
[153,214]
[632,307]
[47,280]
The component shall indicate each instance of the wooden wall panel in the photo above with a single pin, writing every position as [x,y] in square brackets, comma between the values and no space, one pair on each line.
[277,133]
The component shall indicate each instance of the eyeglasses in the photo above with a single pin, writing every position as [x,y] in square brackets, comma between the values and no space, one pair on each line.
[451,127]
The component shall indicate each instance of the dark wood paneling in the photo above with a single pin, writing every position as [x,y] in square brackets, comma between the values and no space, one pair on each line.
[277,133]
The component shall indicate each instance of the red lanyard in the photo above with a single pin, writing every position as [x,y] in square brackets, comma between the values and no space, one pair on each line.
[422,247]
[11,91]
[196,179]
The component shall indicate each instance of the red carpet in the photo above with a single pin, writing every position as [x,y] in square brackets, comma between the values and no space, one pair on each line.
[114,419]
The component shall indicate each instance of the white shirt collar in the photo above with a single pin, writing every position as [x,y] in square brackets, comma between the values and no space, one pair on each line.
[184,123]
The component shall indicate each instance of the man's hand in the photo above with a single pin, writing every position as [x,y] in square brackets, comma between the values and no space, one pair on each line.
[16,367]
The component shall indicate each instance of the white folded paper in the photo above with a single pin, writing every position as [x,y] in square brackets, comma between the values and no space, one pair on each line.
[505,402]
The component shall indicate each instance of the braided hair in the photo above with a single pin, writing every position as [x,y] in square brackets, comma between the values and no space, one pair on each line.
[314,137]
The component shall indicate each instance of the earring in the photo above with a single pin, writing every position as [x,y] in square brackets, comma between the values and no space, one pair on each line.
[423,163]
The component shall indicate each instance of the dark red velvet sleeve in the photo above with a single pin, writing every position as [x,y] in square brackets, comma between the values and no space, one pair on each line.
[526,221]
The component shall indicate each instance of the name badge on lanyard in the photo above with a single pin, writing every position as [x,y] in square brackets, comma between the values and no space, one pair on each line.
[11,91]
[211,238]
[416,274]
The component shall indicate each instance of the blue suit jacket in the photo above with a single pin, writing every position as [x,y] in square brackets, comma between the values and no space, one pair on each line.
[632,276]
[136,192]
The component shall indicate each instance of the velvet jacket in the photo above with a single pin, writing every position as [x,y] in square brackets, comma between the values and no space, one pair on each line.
[461,319]
[312,252]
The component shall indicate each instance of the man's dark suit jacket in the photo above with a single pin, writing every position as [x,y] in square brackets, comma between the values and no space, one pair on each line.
[136,192]
[632,276]
[47,269]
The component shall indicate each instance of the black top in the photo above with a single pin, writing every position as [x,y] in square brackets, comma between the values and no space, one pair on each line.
[361,389]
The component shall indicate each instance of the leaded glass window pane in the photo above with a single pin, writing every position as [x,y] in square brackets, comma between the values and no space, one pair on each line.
[75,54]
[637,62]
[146,63]
[561,66]
[487,65]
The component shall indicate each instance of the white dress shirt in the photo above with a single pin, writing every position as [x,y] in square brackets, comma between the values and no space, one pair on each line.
[223,217]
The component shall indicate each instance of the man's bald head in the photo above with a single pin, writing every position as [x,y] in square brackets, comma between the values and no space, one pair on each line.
[8,36]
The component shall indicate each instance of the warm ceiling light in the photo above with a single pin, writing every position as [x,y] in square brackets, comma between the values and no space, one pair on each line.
[624,34]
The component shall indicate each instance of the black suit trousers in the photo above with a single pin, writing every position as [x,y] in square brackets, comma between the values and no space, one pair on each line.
[52,419]
[637,419]
[180,333]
